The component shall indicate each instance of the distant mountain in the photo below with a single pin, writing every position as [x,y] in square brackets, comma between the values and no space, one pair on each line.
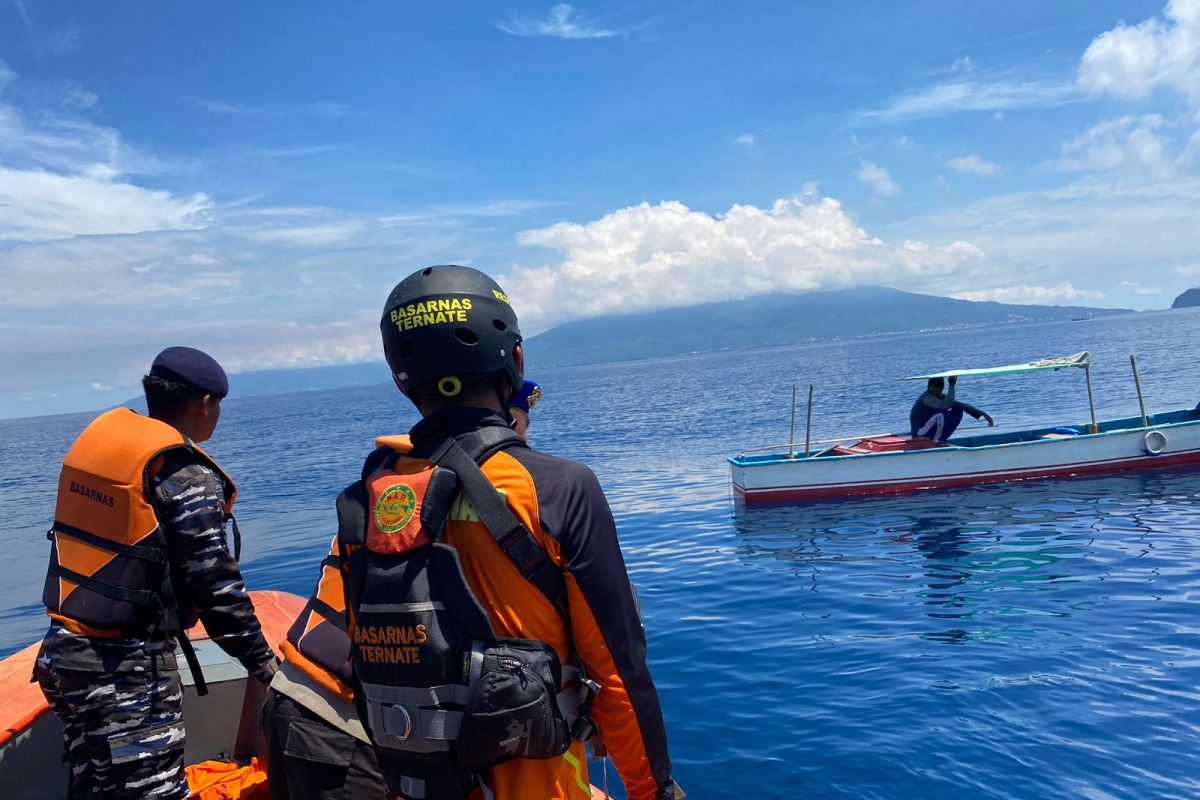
[772,320]
[288,381]
[1189,299]
[305,379]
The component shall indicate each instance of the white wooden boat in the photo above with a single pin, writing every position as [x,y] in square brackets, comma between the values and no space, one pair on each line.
[900,463]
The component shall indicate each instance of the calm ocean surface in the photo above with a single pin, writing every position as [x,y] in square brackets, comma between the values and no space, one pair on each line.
[1034,640]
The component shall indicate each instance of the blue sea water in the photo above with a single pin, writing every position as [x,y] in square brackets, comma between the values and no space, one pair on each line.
[1030,640]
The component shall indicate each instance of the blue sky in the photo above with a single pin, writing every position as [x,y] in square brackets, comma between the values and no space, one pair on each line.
[252,178]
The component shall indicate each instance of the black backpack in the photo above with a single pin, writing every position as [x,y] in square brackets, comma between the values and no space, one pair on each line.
[442,697]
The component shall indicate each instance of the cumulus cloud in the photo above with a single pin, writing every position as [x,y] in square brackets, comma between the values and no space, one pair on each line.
[563,22]
[974,165]
[1130,142]
[877,178]
[1058,294]
[747,140]
[1132,61]
[652,256]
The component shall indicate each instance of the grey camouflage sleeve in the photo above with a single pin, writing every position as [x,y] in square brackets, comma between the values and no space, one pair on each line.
[206,577]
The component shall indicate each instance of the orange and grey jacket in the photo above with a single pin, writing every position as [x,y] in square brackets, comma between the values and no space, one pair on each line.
[562,504]
[317,643]
[109,558]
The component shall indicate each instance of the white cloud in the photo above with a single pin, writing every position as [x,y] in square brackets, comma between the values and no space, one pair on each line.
[492,208]
[646,257]
[314,109]
[64,176]
[1000,93]
[136,272]
[37,206]
[304,235]
[1059,294]
[1137,288]
[877,178]
[1092,233]
[75,96]
[975,165]
[747,140]
[563,22]
[1132,61]
[1130,142]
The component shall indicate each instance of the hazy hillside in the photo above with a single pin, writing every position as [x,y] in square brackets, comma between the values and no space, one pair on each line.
[1189,299]
[774,320]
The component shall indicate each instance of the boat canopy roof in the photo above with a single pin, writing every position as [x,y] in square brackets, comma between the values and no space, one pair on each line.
[1060,362]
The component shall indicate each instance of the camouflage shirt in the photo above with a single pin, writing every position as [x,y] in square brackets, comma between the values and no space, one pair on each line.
[189,501]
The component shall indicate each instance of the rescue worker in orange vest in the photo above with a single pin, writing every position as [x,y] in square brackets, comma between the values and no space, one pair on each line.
[138,554]
[523,574]
[316,744]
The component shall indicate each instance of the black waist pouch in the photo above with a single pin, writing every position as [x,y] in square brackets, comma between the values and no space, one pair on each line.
[513,707]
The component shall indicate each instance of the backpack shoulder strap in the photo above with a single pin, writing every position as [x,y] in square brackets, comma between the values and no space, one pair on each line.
[515,540]
[376,460]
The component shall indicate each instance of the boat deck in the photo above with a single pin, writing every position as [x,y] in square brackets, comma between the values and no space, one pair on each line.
[1035,435]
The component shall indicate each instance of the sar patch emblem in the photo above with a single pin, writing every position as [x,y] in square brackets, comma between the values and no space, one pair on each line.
[395,508]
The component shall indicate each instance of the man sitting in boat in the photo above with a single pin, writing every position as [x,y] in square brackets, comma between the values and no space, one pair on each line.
[937,413]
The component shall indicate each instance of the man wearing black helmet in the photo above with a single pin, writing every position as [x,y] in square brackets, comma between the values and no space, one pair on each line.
[471,513]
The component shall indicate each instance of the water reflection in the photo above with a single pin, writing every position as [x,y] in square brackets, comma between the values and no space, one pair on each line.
[974,561]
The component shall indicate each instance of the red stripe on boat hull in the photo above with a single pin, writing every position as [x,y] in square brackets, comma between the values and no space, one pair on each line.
[775,495]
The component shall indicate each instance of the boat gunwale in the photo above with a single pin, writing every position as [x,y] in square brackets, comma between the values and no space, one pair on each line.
[769,459]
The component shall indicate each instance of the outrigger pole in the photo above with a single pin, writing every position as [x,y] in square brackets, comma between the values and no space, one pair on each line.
[1137,381]
[808,425]
[792,435]
[1087,372]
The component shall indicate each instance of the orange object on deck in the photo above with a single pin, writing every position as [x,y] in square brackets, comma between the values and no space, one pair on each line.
[223,780]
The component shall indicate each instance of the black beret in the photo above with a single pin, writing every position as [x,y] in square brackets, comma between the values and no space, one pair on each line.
[193,367]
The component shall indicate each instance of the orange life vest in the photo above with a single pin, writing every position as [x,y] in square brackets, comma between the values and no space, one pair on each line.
[317,643]
[109,560]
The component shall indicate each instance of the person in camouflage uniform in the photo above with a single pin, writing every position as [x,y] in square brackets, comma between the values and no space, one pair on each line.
[120,696]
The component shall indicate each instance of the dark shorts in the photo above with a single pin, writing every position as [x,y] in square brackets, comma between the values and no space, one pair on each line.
[309,759]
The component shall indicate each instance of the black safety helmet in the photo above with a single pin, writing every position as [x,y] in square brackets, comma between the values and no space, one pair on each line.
[445,322]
